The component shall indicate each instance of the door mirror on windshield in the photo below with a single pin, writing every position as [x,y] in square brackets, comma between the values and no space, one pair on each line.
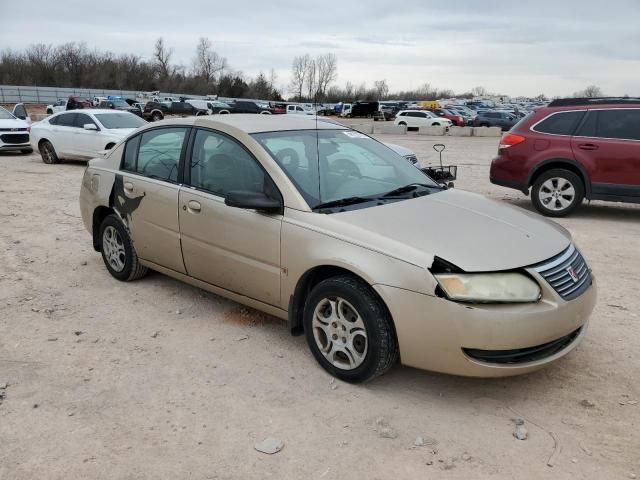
[253,201]
[90,126]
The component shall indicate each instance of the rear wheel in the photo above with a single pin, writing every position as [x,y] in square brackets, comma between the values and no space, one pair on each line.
[156,117]
[118,253]
[557,192]
[349,329]
[48,153]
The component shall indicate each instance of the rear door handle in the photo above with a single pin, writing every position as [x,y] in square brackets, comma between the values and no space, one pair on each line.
[194,206]
[588,146]
[128,186]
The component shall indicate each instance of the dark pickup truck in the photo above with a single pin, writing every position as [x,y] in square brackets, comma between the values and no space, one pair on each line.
[120,105]
[247,106]
[155,111]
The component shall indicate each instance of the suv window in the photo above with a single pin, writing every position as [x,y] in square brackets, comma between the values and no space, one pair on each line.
[157,154]
[561,123]
[620,123]
[81,119]
[220,165]
[66,120]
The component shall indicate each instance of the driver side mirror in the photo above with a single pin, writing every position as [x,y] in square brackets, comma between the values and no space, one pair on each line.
[253,201]
[90,126]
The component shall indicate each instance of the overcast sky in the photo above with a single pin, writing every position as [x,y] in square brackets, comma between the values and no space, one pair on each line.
[517,48]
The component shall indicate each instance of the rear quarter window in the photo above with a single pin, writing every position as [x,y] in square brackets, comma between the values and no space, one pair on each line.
[560,123]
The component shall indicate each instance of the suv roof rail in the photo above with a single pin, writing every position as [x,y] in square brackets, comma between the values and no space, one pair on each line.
[561,102]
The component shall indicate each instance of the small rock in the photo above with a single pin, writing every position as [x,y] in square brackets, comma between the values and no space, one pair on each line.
[333,387]
[418,442]
[269,445]
[387,432]
[521,432]
[52,339]
[16,241]
[179,312]
[429,462]
[632,402]
[587,403]
[242,337]
[518,421]
[49,311]
[33,309]
[632,475]
[466,457]
[574,460]
[77,333]
[212,339]
[3,386]
[84,263]
[35,405]
[155,334]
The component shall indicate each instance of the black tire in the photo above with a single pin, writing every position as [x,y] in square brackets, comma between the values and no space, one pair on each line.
[381,353]
[48,153]
[49,112]
[553,207]
[156,117]
[26,151]
[132,269]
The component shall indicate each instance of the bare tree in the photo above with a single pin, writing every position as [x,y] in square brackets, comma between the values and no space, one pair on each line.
[479,91]
[592,91]
[162,56]
[207,63]
[382,89]
[327,66]
[311,78]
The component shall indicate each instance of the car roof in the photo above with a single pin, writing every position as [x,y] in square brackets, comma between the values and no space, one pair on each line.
[254,123]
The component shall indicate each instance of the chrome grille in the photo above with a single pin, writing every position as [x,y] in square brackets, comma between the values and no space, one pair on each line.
[567,273]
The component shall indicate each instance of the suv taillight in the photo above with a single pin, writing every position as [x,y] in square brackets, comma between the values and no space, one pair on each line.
[509,140]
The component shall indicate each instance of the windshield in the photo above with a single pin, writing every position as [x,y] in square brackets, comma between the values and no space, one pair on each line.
[5,114]
[119,120]
[120,103]
[350,164]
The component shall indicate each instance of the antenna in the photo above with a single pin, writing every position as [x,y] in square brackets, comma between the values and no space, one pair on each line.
[315,110]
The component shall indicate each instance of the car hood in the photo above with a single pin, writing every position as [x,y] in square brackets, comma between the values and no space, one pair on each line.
[472,232]
[13,123]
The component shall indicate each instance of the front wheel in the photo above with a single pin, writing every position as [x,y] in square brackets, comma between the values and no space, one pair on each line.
[349,329]
[557,193]
[156,117]
[117,250]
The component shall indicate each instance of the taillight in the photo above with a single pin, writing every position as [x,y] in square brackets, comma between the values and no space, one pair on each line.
[510,139]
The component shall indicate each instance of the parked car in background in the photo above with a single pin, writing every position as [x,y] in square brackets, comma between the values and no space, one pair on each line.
[249,106]
[81,135]
[573,149]
[278,108]
[503,120]
[185,108]
[299,110]
[155,111]
[421,118]
[72,103]
[96,100]
[218,107]
[119,104]
[455,282]
[363,109]
[344,109]
[456,118]
[468,114]
[14,131]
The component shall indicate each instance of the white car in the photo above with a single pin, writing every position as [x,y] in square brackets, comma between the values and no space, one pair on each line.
[420,118]
[81,134]
[299,110]
[14,130]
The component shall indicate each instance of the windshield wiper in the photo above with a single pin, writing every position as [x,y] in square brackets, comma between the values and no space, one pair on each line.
[407,188]
[343,202]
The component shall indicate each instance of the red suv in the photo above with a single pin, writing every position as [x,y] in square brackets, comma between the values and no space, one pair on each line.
[456,119]
[571,149]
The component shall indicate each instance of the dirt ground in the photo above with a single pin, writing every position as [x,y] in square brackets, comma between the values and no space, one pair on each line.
[159,380]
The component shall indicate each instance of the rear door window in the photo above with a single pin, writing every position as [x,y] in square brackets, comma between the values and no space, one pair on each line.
[82,119]
[66,120]
[561,123]
[158,154]
[619,123]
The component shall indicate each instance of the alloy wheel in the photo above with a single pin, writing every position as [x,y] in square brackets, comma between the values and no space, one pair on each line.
[113,248]
[557,193]
[340,333]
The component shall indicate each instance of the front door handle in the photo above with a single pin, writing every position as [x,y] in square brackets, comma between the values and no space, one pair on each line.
[588,146]
[128,186]
[194,206]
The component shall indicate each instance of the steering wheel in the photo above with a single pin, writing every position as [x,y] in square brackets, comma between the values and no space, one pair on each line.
[291,155]
[345,166]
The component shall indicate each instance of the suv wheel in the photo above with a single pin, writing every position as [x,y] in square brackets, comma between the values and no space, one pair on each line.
[349,329]
[156,117]
[557,193]
[118,253]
